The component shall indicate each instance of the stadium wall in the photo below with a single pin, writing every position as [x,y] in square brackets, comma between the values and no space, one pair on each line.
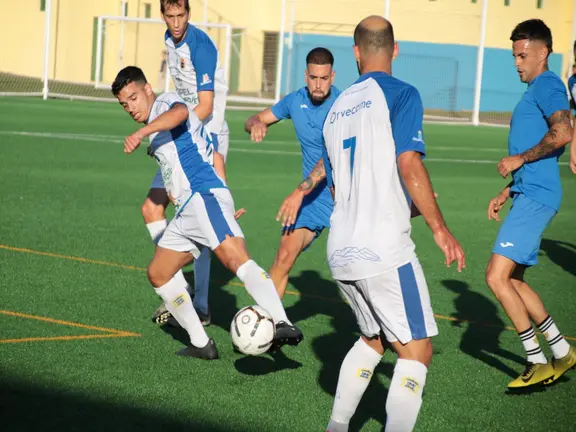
[428,29]
[443,73]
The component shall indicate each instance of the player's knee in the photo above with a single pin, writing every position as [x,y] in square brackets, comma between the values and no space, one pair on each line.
[156,276]
[152,212]
[232,253]
[494,279]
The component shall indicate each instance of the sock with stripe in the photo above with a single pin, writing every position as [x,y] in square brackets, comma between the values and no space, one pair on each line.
[532,347]
[556,341]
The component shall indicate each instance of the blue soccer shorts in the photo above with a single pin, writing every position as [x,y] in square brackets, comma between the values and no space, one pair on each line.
[521,233]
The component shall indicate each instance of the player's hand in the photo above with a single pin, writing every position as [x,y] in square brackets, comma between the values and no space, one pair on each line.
[509,164]
[450,247]
[573,157]
[258,132]
[495,206]
[239,213]
[290,208]
[132,142]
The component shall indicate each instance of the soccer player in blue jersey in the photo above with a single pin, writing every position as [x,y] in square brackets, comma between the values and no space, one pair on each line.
[374,145]
[193,63]
[307,107]
[205,216]
[539,129]
[572,91]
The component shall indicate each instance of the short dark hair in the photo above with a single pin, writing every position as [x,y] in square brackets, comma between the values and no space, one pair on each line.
[126,76]
[164,3]
[374,40]
[533,29]
[320,56]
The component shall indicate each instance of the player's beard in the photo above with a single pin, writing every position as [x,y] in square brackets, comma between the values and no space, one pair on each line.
[318,101]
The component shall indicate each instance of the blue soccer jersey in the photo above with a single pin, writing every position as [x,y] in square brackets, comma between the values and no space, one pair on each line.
[308,120]
[539,180]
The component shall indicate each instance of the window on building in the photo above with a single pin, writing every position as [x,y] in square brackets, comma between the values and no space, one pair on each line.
[147,10]
[539,4]
[42,5]
[124,5]
[506,2]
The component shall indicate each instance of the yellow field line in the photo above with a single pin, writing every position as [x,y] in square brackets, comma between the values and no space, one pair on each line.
[110,264]
[67,323]
[73,258]
[67,338]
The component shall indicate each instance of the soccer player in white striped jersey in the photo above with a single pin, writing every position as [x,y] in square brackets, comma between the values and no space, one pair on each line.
[205,215]
[193,63]
[374,148]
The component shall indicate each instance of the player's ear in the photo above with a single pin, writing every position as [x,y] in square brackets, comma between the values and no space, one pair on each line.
[395,51]
[148,89]
[356,53]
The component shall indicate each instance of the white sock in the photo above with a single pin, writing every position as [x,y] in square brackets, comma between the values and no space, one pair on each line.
[355,374]
[560,348]
[405,395]
[179,303]
[156,230]
[261,288]
[202,279]
[532,347]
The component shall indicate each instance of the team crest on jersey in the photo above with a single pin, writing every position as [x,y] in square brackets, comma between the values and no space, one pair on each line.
[205,79]
[182,62]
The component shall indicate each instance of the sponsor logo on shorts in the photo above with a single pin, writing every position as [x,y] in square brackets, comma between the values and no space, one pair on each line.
[178,301]
[410,383]
[506,244]
[265,275]
[364,373]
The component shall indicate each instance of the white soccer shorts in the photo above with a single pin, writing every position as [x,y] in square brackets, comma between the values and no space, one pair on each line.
[205,221]
[396,303]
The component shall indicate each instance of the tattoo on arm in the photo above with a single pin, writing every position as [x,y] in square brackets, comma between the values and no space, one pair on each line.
[559,134]
[316,176]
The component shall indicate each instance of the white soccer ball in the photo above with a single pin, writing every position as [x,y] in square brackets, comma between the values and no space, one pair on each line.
[252,330]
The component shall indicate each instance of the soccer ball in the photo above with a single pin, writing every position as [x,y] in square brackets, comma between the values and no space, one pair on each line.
[252,330]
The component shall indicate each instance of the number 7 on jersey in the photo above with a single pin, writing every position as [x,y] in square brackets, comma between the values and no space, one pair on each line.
[350,143]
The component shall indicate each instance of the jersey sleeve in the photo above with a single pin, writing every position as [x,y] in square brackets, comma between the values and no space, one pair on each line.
[551,96]
[204,59]
[406,117]
[281,109]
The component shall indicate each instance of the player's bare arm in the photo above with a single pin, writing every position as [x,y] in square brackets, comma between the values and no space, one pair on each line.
[559,134]
[419,186]
[573,151]
[205,104]
[497,203]
[172,118]
[291,205]
[257,125]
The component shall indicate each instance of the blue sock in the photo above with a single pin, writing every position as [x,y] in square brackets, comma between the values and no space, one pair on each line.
[202,280]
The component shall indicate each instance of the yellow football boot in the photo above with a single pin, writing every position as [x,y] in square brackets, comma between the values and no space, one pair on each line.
[563,365]
[535,373]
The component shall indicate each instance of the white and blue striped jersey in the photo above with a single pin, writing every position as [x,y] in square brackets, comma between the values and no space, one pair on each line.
[368,127]
[184,156]
[194,66]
